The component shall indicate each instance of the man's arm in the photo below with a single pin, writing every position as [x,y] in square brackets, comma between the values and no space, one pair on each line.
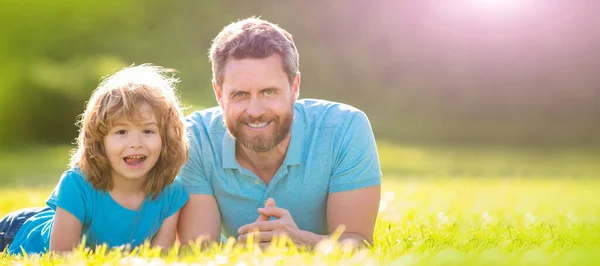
[354,192]
[199,218]
[357,211]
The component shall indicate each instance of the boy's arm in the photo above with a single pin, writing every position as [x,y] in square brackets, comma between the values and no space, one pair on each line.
[66,232]
[165,237]
[200,219]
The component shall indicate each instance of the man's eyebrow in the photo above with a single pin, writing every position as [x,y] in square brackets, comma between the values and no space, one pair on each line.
[272,88]
[234,91]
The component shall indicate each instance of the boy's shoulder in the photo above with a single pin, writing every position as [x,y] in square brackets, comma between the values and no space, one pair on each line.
[73,174]
[174,189]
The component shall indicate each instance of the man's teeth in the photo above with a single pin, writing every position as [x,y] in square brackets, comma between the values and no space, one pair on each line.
[258,125]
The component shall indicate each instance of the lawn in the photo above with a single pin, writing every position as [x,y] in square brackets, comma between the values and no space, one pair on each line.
[440,206]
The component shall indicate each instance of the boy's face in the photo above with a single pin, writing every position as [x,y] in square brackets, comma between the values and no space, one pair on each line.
[133,147]
[258,101]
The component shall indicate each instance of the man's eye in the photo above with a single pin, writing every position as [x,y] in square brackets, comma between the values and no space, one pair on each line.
[239,94]
[269,92]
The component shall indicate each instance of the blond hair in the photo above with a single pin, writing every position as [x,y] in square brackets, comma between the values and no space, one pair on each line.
[253,38]
[120,95]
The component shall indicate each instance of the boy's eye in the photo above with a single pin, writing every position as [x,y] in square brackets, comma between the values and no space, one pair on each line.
[148,131]
[121,132]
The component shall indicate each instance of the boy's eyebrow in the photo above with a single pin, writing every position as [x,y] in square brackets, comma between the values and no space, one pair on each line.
[142,124]
[149,123]
[120,124]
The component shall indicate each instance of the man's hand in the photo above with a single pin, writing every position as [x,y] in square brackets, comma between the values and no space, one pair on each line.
[264,230]
[270,203]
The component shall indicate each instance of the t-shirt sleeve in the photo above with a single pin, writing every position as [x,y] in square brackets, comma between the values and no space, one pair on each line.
[356,162]
[177,197]
[192,175]
[70,194]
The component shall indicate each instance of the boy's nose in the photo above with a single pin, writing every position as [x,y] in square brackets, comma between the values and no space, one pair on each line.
[136,141]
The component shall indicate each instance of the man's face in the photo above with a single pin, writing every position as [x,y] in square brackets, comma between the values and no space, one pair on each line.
[258,101]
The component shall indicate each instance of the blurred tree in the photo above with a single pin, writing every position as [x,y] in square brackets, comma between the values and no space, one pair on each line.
[419,73]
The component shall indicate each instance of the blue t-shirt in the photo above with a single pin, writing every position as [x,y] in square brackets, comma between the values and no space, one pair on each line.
[104,221]
[332,149]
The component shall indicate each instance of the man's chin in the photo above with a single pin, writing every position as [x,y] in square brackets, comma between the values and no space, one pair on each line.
[258,146]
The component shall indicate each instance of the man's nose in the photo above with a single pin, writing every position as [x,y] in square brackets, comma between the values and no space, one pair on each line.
[255,108]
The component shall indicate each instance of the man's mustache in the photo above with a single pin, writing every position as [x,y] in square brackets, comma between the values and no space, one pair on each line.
[255,120]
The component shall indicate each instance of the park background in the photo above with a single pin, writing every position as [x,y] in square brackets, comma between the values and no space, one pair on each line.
[457,92]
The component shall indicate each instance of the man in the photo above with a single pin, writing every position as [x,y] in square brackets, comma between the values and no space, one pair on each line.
[314,161]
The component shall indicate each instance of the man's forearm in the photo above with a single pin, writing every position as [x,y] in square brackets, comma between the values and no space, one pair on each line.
[352,239]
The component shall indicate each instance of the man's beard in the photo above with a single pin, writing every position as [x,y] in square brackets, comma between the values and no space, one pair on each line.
[261,142]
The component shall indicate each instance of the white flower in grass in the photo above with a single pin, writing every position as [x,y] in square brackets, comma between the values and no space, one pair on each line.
[529,218]
[388,196]
[382,206]
[486,218]
[156,262]
[133,261]
[442,218]
[571,218]
[326,246]
[180,264]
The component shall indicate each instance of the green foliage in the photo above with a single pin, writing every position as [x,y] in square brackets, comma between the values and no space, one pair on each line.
[419,78]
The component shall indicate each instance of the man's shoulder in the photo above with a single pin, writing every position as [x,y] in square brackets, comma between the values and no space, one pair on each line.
[323,113]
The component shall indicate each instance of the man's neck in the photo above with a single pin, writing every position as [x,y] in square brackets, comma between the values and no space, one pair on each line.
[263,164]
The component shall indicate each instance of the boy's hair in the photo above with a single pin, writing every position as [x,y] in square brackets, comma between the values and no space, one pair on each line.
[121,95]
[253,38]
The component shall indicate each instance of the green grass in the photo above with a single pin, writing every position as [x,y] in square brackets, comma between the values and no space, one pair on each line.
[440,206]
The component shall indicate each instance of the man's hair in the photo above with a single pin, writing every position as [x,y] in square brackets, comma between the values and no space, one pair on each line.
[253,38]
[120,96]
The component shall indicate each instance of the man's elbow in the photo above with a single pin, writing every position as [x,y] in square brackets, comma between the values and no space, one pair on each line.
[356,240]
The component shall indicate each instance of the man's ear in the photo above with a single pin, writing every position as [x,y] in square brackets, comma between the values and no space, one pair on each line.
[296,87]
[218,93]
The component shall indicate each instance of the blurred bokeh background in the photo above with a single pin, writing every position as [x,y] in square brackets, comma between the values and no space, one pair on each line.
[510,73]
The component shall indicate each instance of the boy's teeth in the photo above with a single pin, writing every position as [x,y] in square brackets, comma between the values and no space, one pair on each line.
[135,157]
[258,125]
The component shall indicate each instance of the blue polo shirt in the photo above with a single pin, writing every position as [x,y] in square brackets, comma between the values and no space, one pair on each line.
[332,149]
